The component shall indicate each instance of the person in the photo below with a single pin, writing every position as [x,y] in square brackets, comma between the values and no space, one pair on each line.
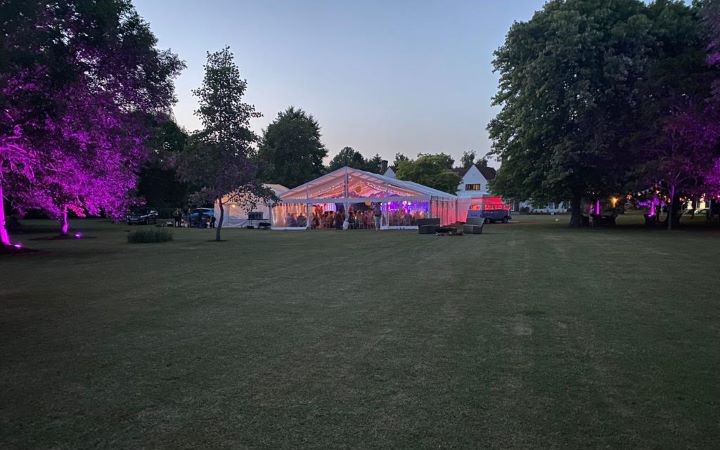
[339,219]
[329,219]
[377,213]
[177,215]
[352,220]
[408,219]
[212,222]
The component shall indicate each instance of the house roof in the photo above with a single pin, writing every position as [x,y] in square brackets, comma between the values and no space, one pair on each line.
[488,172]
[347,182]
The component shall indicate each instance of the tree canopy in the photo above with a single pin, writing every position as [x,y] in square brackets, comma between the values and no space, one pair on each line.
[350,157]
[81,83]
[435,171]
[291,151]
[468,159]
[159,184]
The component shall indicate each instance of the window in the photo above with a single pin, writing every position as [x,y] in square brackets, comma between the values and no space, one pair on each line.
[472,187]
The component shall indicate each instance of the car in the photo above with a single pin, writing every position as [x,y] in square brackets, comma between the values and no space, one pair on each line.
[200,217]
[700,212]
[142,216]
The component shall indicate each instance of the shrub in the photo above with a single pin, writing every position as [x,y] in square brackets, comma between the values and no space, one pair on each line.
[148,235]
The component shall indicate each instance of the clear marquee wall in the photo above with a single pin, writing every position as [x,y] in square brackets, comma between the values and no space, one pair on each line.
[353,195]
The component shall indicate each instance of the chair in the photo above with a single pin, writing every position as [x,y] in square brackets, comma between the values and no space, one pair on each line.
[474,226]
[428,226]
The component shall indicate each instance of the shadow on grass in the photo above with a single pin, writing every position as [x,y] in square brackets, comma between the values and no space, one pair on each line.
[9,250]
[62,237]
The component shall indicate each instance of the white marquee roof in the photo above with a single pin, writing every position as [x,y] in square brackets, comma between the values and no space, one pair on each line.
[348,184]
[277,189]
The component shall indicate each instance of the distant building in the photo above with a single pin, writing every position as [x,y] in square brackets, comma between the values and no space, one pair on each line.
[390,173]
[475,182]
[547,208]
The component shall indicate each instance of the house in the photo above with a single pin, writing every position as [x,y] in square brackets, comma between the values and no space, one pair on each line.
[475,182]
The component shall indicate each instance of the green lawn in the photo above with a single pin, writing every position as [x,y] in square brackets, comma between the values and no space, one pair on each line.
[529,336]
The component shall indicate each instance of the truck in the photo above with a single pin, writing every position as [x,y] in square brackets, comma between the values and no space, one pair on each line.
[491,209]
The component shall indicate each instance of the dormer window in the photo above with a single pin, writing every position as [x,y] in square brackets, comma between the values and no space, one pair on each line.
[472,187]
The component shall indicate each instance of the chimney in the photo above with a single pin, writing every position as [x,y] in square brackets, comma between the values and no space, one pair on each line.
[383,166]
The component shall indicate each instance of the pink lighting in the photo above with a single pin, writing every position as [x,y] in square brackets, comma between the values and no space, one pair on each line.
[490,204]
[653,205]
[78,235]
[18,245]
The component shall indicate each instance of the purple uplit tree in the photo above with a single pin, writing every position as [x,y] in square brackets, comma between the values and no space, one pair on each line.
[91,159]
[79,81]
[16,169]
[677,133]
[712,179]
[679,158]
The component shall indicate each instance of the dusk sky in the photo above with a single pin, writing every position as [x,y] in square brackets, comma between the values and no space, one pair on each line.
[382,77]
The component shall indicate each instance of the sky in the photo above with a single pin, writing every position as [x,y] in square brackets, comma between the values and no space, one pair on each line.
[382,77]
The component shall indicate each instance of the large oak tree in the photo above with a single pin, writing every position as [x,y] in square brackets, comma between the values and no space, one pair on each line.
[79,83]
[568,93]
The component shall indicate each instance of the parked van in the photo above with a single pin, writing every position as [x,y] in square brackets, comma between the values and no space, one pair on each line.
[491,209]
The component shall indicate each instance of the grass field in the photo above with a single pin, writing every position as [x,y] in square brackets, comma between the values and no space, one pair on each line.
[530,336]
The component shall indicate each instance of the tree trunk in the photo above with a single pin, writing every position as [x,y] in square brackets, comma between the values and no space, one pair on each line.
[4,237]
[708,214]
[65,223]
[576,214]
[670,208]
[220,221]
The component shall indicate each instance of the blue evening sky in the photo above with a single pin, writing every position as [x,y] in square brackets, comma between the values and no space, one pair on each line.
[380,76]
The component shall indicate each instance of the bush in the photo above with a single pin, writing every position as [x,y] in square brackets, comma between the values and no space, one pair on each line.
[149,235]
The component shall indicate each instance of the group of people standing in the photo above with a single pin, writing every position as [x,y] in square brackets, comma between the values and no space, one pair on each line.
[355,219]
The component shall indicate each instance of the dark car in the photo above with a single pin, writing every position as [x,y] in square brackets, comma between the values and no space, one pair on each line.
[142,217]
[200,217]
